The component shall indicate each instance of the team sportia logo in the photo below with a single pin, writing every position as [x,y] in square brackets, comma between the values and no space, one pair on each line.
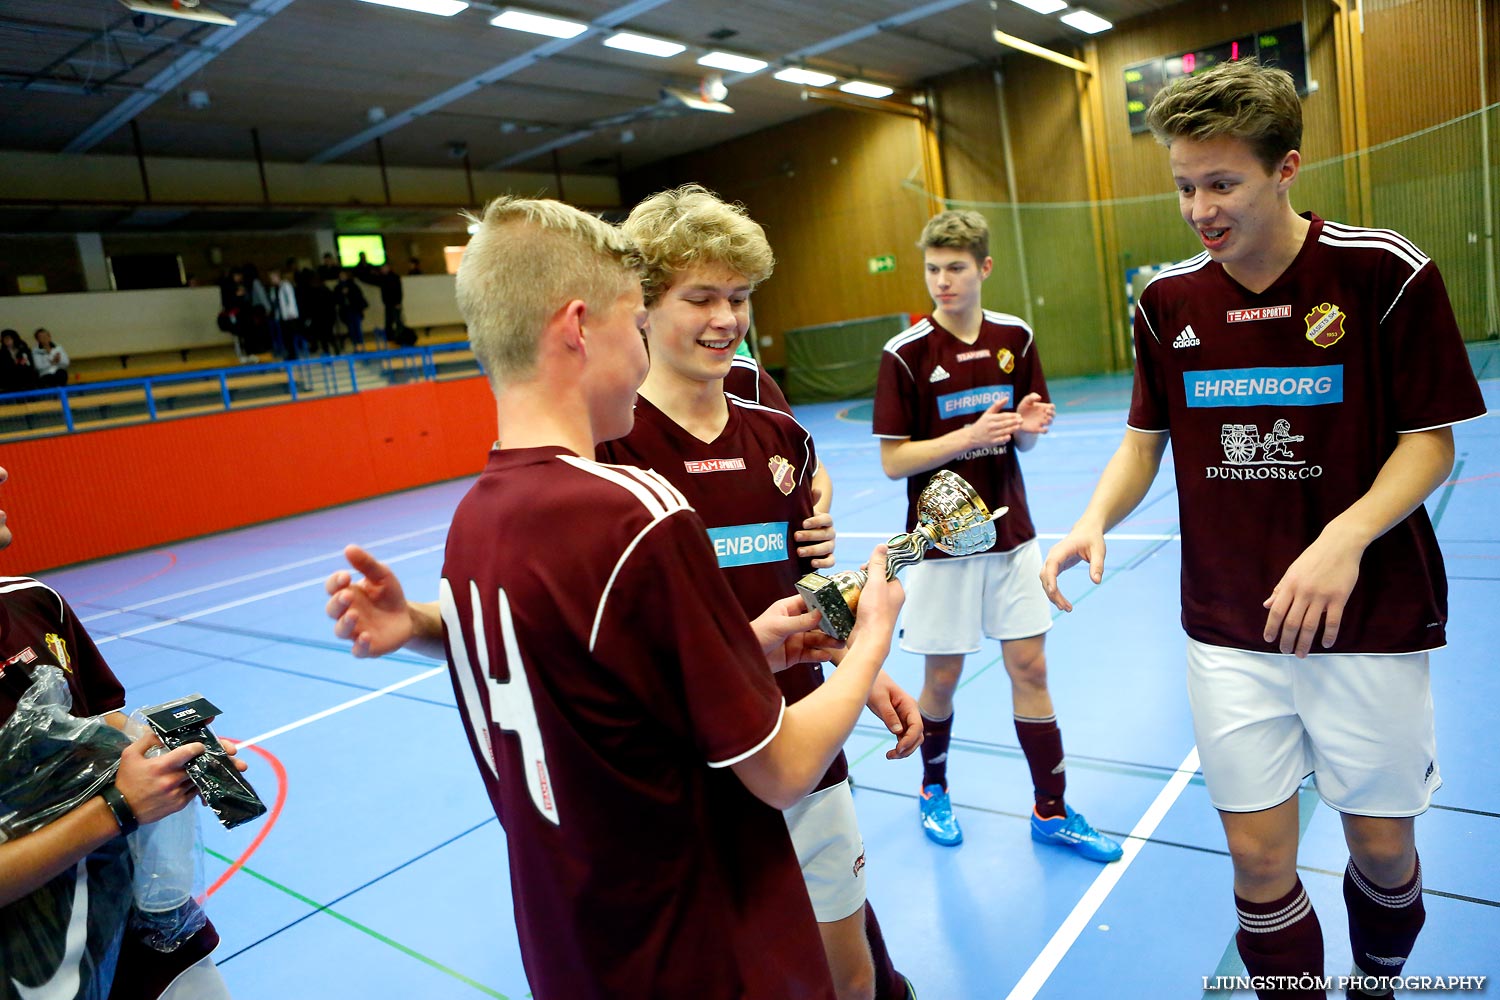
[1248,454]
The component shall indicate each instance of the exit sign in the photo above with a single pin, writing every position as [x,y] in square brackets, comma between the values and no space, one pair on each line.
[885,262]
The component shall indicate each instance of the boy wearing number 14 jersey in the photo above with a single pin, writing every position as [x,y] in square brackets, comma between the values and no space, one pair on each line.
[621,712]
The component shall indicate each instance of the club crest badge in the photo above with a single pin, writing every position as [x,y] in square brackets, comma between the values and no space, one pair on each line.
[1325,325]
[59,649]
[1007,360]
[782,474]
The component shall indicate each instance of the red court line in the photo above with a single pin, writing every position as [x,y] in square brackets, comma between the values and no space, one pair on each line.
[171,562]
[1470,479]
[265,829]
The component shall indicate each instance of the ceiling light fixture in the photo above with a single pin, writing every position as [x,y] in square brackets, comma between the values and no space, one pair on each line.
[644,44]
[731,63]
[805,77]
[537,24]
[1043,6]
[442,8]
[1086,20]
[862,88]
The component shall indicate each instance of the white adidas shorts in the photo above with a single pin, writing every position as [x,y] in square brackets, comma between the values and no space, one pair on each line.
[1360,723]
[825,835]
[952,604]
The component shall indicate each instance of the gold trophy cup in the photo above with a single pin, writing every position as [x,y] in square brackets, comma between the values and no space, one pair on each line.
[950,517]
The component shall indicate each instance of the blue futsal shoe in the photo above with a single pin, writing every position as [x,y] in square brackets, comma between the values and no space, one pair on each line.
[1074,831]
[938,821]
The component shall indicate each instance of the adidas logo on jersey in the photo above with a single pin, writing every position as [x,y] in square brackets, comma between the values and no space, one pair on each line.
[1187,338]
[938,374]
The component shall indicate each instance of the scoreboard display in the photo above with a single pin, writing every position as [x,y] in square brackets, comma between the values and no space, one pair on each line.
[1284,47]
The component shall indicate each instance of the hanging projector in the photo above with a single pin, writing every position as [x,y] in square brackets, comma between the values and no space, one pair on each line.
[710,95]
[188,10]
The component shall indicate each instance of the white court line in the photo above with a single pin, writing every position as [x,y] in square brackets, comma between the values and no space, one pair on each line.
[261,573]
[1110,537]
[1046,962]
[252,741]
[247,600]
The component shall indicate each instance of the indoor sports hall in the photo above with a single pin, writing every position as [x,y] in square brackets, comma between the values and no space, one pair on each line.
[189,477]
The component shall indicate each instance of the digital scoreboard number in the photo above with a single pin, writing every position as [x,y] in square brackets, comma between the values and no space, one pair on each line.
[1283,47]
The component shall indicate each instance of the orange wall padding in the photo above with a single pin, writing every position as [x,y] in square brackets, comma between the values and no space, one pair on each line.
[100,493]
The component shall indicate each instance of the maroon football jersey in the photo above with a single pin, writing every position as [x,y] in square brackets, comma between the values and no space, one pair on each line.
[608,679]
[751,487]
[748,380]
[1282,408]
[932,383]
[38,627]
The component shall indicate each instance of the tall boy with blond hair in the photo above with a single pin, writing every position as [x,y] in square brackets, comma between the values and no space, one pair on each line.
[1308,542]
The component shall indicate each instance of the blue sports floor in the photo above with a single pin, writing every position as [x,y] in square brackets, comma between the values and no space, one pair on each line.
[381,871]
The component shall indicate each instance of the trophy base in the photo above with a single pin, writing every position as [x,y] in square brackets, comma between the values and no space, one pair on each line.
[822,594]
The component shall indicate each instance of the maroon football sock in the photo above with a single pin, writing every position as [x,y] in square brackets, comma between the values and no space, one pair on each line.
[1383,923]
[1281,938]
[889,984]
[935,733]
[1041,742]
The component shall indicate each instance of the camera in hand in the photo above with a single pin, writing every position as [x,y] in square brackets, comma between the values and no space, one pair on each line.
[178,723]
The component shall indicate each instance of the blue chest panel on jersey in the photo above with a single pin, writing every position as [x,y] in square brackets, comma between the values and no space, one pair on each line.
[1311,386]
[749,544]
[976,400]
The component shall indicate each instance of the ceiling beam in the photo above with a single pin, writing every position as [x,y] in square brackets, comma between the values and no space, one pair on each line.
[791,58]
[210,48]
[607,22]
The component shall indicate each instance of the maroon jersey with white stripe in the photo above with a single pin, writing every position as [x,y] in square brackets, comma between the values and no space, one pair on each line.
[607,680]
[38,627]
[751,486]
[932,383]
[1282,407]
[748,380]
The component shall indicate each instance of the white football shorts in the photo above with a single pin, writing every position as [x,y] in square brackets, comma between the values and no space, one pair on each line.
[1360,723]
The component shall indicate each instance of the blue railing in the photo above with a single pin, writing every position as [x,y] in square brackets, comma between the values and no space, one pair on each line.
[326,376]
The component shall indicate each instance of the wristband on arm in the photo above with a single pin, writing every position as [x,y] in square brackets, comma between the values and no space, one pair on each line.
[120,808]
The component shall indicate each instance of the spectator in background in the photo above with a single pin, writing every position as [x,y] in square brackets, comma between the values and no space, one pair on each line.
[286,319]
[350,304]
[414,266]
[329,269]
[260,309]
[315,302]
[235,313]
[388,281]
[17,370]
[50,359]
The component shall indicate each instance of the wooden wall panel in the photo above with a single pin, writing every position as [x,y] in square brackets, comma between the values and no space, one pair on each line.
[1405,41]
[968,127]
[831,192]
[1041,103]
[1434,42]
